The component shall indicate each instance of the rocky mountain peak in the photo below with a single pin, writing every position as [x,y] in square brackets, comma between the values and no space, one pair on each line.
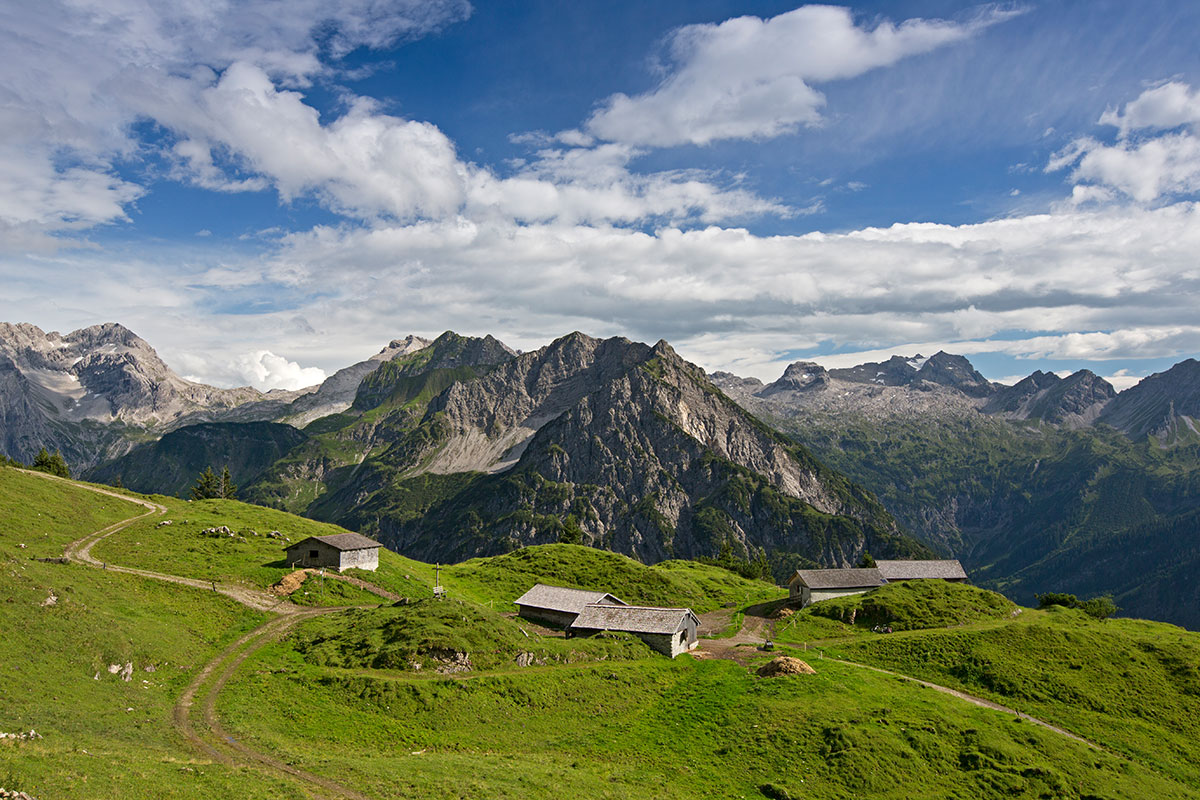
[730,383]
[800,376]
[946,369]
[1075,400]
[400,347]
[99,374]
[1163,404]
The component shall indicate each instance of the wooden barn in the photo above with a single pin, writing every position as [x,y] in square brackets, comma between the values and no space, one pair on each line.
[558,606]
[339,551]
[946,570]
[813,585]
[670,631]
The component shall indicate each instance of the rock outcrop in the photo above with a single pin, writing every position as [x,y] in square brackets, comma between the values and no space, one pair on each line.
[80,393]
[611,443]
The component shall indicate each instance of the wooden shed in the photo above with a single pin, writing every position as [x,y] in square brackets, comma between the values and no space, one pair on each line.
[670,631]
[945,569]
[813,585]
[557,606]
[339,551]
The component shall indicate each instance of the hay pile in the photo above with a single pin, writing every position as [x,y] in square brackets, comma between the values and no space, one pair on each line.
[783,612]
[785,665]
[289,583]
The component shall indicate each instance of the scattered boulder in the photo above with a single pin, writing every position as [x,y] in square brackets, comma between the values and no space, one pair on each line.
[785,665]
[13,794]
[29,735]
[449,661]
[529,660]
[51,600]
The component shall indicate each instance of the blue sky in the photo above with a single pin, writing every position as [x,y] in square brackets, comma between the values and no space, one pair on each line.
[267,191]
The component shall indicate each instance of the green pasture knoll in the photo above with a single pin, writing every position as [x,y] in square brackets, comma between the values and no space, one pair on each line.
[417,636]
[46,514]
[1129,685]
[658,728]
[103,736]
[499,580]
[916,605]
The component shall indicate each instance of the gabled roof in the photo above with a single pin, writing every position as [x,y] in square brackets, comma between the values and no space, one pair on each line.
[341,541]
[839,578]
[560,598]
[948,569]
[632,619]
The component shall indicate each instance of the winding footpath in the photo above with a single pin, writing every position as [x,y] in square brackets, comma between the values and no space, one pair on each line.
[213,676]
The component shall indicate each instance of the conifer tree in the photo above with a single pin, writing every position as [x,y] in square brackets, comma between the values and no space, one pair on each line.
[207,486]
[53,464]
[228,489]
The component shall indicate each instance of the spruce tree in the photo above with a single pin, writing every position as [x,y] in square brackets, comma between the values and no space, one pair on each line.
[53,464]
[227,488]
[207,486]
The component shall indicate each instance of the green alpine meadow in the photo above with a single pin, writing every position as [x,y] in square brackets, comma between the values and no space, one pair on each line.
[126,683]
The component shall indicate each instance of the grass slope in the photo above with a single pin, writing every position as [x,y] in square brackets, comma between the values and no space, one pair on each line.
[102,737]
[594,718]
[499,580]
[663,729]
[1130,685]
[916,605]
[47,515]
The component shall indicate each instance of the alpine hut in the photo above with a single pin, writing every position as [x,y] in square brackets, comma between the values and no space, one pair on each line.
[558,606]
[946,570]
[339,551]
[670,631]
[813,585]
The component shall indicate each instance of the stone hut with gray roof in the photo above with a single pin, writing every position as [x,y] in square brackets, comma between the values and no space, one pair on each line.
[558,606]
[813,585]
[339,551]
[670,631]
[946,570]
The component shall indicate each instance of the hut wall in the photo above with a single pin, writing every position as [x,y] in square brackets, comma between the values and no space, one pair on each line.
[367,558]
[313,554]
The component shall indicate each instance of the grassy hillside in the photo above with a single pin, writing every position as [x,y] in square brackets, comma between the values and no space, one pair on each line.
[916,605]
[46,515]
[102,737]
[448,699]
[1129,685]
[501,579]
[663,729]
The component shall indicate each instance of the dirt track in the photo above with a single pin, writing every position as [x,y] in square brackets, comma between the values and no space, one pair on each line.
[80,551]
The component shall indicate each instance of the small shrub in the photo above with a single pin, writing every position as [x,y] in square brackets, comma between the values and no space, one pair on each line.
[1057,599]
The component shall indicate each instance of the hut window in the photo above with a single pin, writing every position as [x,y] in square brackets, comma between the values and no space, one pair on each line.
[312,553]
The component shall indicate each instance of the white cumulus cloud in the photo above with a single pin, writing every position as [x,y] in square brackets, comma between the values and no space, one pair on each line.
[264,370]
[752,78]
[1156,154]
